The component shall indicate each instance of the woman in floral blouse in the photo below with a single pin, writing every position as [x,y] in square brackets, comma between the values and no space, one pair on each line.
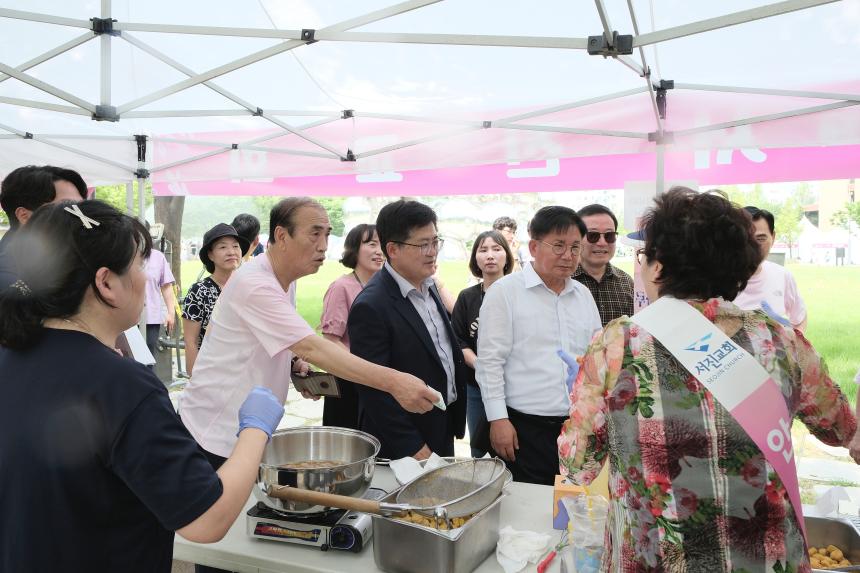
[690,491]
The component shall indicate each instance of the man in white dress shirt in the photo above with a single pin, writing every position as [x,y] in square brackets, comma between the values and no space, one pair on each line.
[525,319]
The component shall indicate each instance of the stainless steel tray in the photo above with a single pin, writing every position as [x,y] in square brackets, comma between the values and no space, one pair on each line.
[824,531]
[403,547]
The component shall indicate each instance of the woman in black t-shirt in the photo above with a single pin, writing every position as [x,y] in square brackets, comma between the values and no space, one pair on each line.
[98,471]
[491,259]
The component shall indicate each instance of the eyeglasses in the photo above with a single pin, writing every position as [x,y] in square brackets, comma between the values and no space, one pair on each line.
[641,257]
[560,248]
[594,236]
[426,248]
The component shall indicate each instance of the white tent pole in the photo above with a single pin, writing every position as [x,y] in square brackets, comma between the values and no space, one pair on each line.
[417,118]
[632,64]
[563,107]
[271,51]
[646,69]
[413,142]
[55,136]
[768,91]
[732,19]
[226,112]
[763,118]
[209,30]
[105,68]
[62,48]
[607,34]
[40,85]
[661,169]
[44,105]
[286,151]
[246,145]
[269,117]
[129,197]
[552,128]
[208,75]
[41,139]
[83,153]
[304,136]
[141,198]
[10,129]
[45,18]
[604,20]
[554,42]
[190,159]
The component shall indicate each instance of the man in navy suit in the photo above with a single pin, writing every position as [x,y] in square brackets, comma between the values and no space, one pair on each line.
[398,321]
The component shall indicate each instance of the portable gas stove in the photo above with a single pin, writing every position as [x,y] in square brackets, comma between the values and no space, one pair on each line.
[332,529]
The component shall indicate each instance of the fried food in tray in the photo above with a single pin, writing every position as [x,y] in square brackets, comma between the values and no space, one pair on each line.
[430,522]
[828,557]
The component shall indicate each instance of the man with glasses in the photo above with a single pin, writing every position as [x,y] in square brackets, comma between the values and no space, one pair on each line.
[611,287]
[526,318]
[772,287]
[398,320]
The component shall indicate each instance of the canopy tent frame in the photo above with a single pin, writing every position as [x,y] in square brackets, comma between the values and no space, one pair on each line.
[108,29]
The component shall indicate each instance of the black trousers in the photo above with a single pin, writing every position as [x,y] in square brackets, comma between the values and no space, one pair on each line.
[537,458]
[342,412]
[216,461]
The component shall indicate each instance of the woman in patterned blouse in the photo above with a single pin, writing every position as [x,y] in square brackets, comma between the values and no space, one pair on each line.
[221,254]
[690,491]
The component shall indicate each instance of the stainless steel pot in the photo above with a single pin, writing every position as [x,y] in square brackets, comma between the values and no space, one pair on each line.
[354,453]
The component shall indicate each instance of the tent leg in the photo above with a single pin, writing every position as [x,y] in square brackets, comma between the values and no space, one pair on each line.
[129,198]
[661,168]
[141,199]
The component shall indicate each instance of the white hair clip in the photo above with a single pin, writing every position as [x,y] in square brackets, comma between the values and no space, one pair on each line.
[76,211]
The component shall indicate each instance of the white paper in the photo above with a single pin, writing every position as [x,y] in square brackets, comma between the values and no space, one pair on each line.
[516,549]
[408,468]
[137,345]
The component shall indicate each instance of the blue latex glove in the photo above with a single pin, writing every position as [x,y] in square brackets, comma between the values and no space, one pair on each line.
[572,368]
[774,315]
[261,410]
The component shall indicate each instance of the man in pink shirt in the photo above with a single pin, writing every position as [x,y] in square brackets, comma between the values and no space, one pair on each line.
[255,332]
[772,283]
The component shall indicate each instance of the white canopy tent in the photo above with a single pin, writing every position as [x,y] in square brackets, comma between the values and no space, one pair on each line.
[259,89]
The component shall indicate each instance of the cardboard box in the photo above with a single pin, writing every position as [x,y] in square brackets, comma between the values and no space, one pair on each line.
[562,489]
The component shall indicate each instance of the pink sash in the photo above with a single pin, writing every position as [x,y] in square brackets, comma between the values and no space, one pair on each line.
[734,378]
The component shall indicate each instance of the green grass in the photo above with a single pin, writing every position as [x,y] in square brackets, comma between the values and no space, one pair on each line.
[830,294]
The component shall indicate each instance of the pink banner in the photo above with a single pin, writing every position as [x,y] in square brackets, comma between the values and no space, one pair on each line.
[720,167]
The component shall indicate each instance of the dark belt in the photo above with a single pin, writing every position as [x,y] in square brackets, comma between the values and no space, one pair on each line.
[535,419]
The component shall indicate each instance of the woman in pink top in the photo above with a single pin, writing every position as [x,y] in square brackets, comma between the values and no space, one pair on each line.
[363,254]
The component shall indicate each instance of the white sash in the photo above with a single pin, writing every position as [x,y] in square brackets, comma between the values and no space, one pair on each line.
[734,378]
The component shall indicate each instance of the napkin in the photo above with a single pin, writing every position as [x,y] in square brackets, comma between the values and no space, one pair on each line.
[516,549]
[408,468]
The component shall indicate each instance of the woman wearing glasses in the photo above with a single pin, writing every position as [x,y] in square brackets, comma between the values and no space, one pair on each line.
[611,287]
[691,401]
[491,260]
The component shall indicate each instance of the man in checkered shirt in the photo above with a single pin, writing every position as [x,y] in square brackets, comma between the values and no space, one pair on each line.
[611,287]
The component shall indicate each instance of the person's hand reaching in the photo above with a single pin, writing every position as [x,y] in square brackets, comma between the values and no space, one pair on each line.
[261,410]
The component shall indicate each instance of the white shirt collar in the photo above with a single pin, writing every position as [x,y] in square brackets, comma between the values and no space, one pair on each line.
[532,279]
[404,285]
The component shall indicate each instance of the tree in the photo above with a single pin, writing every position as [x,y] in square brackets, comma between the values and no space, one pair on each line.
[851,212]
[168,211]
[788,217]
[115,195]
[332,205]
